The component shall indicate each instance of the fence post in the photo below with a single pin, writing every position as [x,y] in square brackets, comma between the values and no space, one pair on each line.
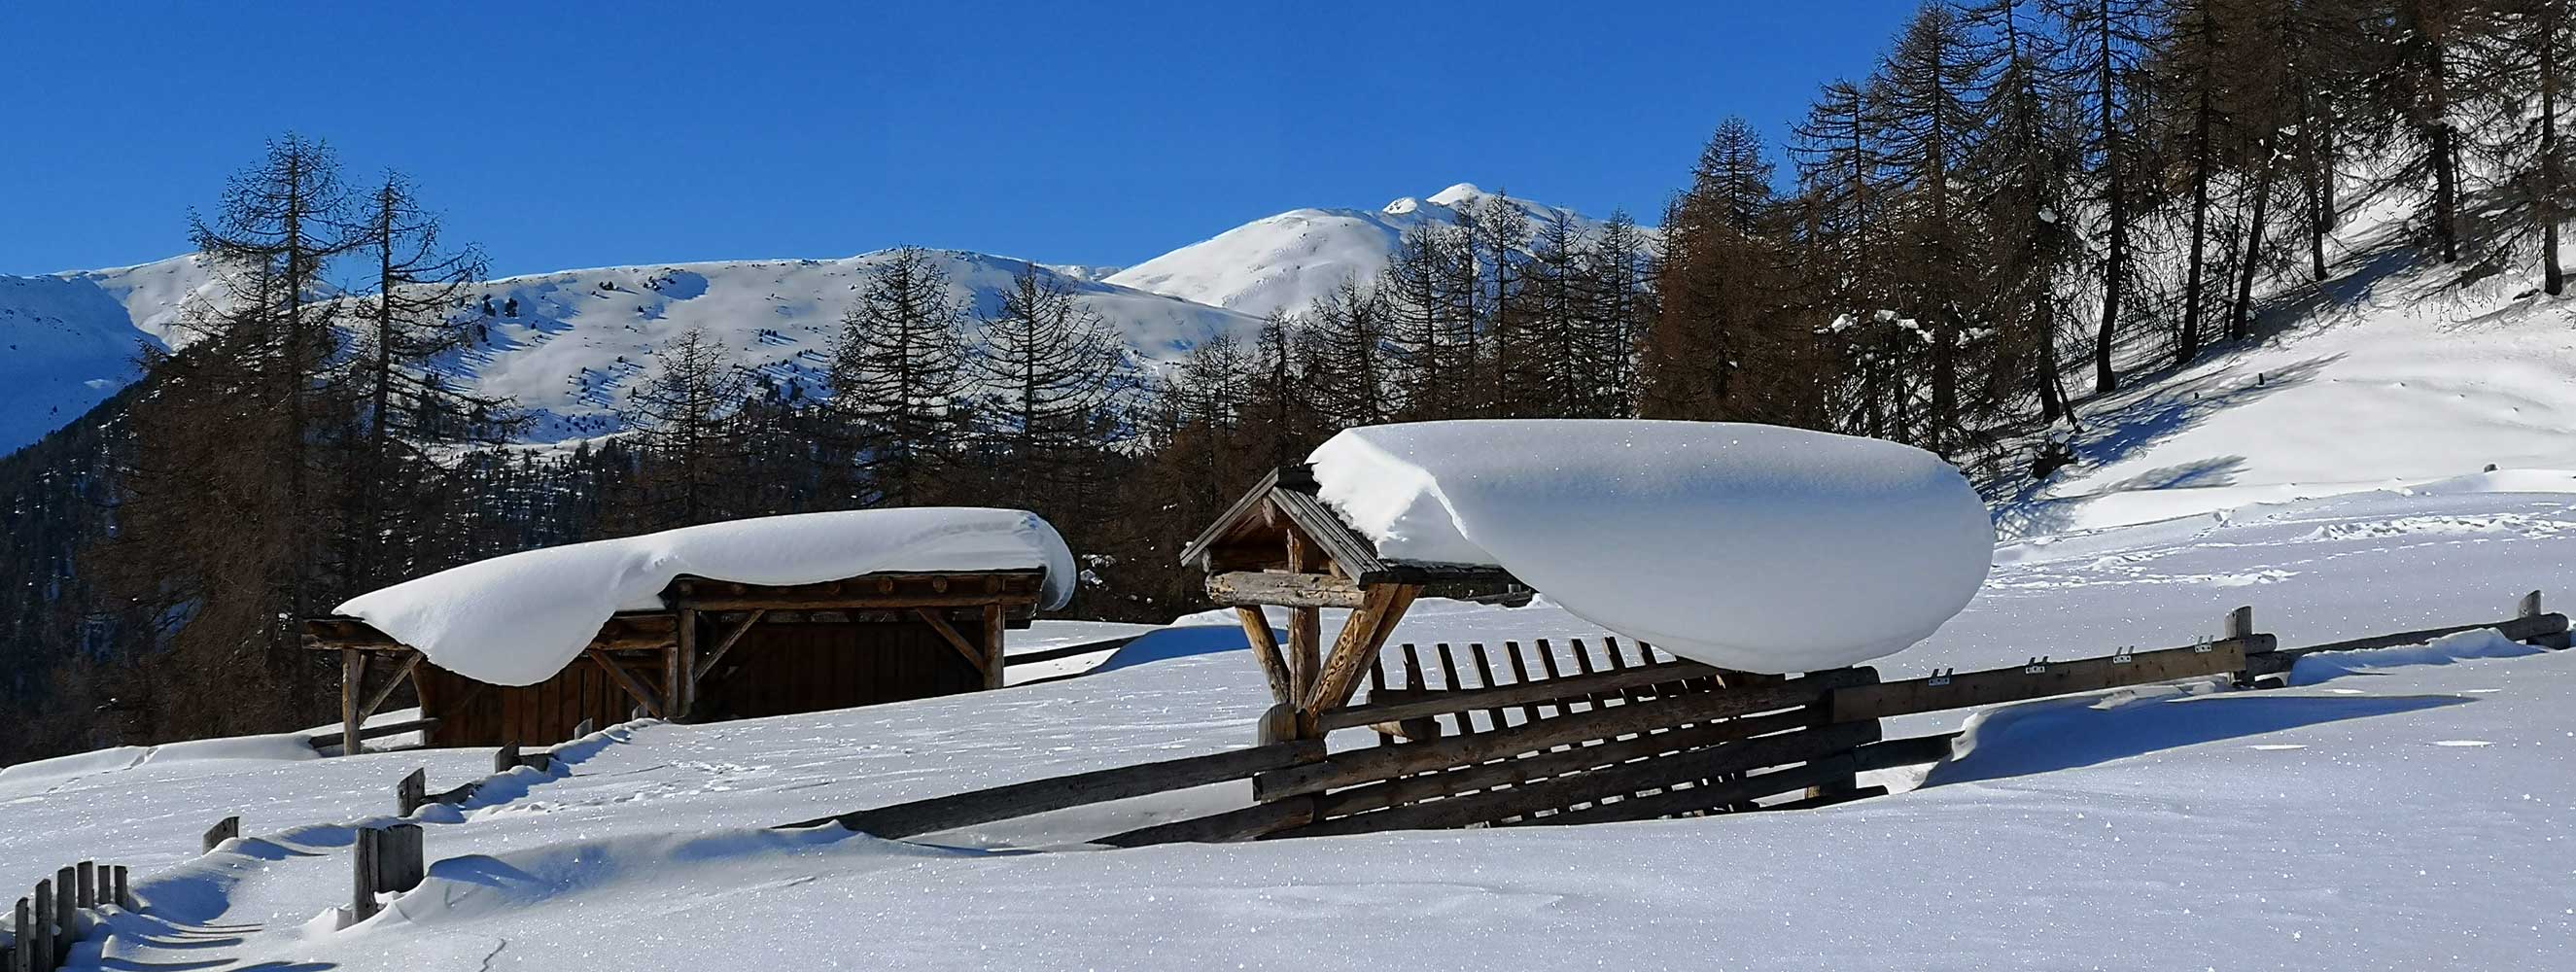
[411,792]
[22,948]
[85,877]
[223,830]
[581,730]
[124,892]
[362,889]
[38,930]
[505,758]
[66,912]
[403,863]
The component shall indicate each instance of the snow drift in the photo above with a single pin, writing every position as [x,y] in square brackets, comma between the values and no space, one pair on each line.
[516,620]
[1742,546]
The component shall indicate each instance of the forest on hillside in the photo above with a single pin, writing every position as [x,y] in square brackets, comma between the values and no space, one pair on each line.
[1955,251]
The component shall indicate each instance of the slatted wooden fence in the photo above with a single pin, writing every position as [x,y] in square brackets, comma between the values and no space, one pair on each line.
[62,910]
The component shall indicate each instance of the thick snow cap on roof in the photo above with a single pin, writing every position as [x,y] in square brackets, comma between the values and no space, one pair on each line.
[518,619]
[1748,547]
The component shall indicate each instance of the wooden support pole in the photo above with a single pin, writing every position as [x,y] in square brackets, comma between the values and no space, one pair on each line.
[1265,649]
[22,948]
[85,880]
[682,674]
[376,699]
[124,896]
[363,848]
[996,632]
[626,680]
[725,644]
[66,912]
[968,650]
[1305,625]
[353,675]
[1361,639]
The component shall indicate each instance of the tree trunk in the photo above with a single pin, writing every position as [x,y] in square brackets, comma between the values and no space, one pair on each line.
[2240,316]
[2115,266]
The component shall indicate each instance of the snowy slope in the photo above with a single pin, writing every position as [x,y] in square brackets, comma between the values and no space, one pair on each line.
[1284,262]
[2392,814]
[2392,373]
[70,340]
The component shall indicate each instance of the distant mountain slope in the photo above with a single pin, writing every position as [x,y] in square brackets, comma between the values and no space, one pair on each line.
[1283,262]
[69,340]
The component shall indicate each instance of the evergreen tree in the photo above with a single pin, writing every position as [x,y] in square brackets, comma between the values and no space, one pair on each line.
[897,365]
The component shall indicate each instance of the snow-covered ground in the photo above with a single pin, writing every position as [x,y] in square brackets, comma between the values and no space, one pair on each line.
[2389,813]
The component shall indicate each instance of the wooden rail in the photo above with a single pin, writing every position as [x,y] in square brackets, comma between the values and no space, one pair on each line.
[333,740]
[1057,793]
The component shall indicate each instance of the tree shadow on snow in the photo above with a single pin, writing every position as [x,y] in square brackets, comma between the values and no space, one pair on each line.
[2060,734]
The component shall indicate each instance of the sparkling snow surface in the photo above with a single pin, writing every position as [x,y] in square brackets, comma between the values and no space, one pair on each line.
[2397,815]
[1749,547]
[516,620]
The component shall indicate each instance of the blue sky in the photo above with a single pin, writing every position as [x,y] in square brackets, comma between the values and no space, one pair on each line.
[576,134]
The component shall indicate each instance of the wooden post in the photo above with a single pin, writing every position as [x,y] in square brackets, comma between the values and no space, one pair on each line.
[362,887]
[995,630]
[353,676]
[38,929]
[223,830]
[85,881]
[2530,606]
[1305,627]
[66,913]
[683,692]
[505,758]
[124,893]
[411,792]
[22,950]
[2240,622]
[582,729]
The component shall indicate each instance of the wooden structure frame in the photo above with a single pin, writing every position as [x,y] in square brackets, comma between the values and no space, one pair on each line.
[1279,545]
[665,661]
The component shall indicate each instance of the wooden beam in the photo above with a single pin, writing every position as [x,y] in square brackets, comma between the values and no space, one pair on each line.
[353,677]
[1306,590]
[376,699]
[681,682]
[996,659]
[725,644]
[853,601]
[1243,824]
[1722,793]
[1305,624]
[2037,681]
[626,680]
[2539,627]
[1056,793]
[1361,639]
[1265,649]
[1427,784]
[948,633]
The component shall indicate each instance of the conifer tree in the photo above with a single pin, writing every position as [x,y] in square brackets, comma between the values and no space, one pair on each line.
[897,366]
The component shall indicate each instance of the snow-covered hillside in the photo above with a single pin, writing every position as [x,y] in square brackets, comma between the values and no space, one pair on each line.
[2398,809]
[1284,262]
[70,340]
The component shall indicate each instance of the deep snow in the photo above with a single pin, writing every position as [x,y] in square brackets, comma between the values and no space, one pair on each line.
[1749,547]
[2403,815]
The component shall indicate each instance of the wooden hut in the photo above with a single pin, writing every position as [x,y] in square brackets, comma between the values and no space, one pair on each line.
[1280,546]
[715,650]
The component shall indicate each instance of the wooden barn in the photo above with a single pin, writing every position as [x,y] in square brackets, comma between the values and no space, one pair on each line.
[678,644]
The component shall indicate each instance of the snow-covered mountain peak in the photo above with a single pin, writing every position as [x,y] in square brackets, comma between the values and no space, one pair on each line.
[1457,195]
[1402,207]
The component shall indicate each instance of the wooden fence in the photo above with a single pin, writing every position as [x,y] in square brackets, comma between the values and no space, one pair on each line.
[1513,736]
[62,910]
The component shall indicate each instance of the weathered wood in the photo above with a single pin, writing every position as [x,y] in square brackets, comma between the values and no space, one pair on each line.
[363,850]
[66,913]
[626,631]
[1265,650]
[1615,781]
[1912,751]
[1449,683]
[377,731]
[583,728]
[724,644]
[1554,762]
[1702,798]
[2534,628]
[857,602]
[405,863]
[1554,689]
[1818,801]
[681,680]
[1363,636]
[1056,793]
[223,830]
[955,639]
[1305,624]
[411,793]
[22,946]
[996,652]
[1988,687]
[1232,825]
[85,884]
[1485,674]
[376,699]
[505,758]
[353,675]
[124,896]
[626,680]
[1352,767]
[1257,587]
[1520,673]
[1416,729]
[38,930]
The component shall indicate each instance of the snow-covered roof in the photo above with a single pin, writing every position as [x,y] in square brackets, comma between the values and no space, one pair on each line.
[518,619]
[1747,547]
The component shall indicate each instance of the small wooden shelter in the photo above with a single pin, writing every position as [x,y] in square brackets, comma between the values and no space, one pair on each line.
[1279,545]
[715,650]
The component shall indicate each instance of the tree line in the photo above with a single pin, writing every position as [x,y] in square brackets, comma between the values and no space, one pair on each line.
[2024,198]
